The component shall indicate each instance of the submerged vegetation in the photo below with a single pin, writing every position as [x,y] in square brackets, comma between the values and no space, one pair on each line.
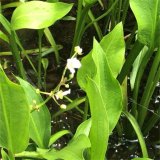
[79,97]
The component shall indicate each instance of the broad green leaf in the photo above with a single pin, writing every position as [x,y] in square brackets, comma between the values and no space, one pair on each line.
[105,98]
[73,151]
[114,48]
[112,91]
[40,121]
[147,13]
[99,132]
[38,14]
[14,115]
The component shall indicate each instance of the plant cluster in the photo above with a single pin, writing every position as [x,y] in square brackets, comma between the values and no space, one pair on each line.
[25,119]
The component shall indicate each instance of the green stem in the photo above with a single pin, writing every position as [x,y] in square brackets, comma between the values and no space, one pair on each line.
[16,55]
[102,16]
[79,13]
[96,26]
[125,9]
[151,122]
[0,8]
[119,129]
[29,155]
[80,27]
[148,89]
[138,132]
[40,35]
[113,16]
[51,40]
[138,80]
[72,105]
[119,11]
[86,108]
[129,61]
[25,54]
[132,35]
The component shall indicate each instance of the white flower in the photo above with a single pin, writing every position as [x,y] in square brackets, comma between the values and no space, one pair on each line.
[78,50]
[63,106]
[60,94]
[72,64]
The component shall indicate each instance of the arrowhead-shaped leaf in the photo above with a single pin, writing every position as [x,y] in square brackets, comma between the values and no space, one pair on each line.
[38,14]
[105,98]
[114,47]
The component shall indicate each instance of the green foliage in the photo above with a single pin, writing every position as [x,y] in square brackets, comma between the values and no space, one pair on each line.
[4,155]
[114,48]
[90,1]
[14,115]
[98,82]
[83,128]
[136,65]
[73,151]
[57,135]
[138,132]
[38,14]
[40,120]
[4,37]
[148,18]
[24,116]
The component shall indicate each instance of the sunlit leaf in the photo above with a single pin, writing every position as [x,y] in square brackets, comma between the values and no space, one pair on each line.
[38,14]
[147,13]
[114,48]
[104,95]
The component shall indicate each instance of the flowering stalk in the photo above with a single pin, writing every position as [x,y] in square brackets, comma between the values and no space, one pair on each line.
[72,64]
